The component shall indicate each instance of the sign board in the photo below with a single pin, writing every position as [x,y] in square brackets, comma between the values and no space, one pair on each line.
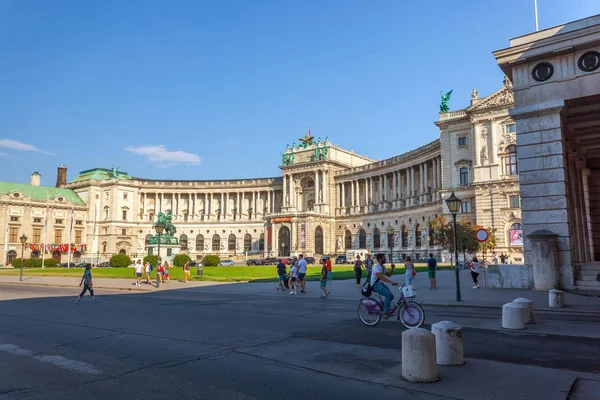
[481,235]
[282,219]
[516,237]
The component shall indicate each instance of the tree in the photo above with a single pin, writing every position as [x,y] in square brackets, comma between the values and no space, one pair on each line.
[211,261]
[180,259]
[120,261]
[443,235]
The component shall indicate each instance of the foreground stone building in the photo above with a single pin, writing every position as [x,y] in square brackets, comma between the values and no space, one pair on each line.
[556,83]
[327,200]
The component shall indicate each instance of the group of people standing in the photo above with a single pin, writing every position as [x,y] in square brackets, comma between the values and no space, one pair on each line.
[298,273]
[409,270]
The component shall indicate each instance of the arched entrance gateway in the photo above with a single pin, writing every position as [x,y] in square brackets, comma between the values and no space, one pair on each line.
[319,240]
[284,241]
[56,255]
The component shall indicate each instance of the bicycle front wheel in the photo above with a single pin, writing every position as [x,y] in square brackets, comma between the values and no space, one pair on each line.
[411,314]
[368,317]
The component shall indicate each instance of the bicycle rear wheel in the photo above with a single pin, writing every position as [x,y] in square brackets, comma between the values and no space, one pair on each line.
[367,317]
[411,314]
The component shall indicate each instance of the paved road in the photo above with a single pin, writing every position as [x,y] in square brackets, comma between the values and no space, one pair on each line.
[191,343]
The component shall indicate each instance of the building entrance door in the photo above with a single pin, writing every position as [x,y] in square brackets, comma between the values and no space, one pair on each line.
[284,241]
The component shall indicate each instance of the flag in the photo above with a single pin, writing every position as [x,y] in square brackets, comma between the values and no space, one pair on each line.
[72,216]
[6,237]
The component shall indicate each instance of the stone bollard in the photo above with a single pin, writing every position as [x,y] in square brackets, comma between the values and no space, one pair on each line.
[513,316]
[448,343]
[528,309]
[556,298]
[418,356]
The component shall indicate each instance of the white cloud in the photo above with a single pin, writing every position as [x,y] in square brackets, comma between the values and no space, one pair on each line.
[4,154]
[13,144]
[165,158]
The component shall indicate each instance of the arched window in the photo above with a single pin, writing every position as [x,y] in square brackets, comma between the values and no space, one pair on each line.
[35,254]
[151,217]
[347,240]
[199,242]
[390,238]
[104,245]
[147,240]
[418,235]
[261,242]
[404,236]
[11,256]
[231,242]
[362,239]
[124,215]
[122,251]
[516,225]
[510,161]
[247,242]
[376,238]
[183,242]
[515,234]
[284,241]
[319,240]
[216,242]
[431,232]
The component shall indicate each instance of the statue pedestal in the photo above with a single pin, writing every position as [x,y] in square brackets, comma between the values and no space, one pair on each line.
[169,247]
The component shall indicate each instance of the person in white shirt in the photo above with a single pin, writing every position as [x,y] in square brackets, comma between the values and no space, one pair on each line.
[301,272]
[139,270]
[148,270]
[475,271]
[378,277]
[293,278]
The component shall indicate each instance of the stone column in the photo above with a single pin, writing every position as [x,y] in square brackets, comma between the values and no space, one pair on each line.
[476,132]
[285,193]
[371,189]
[412,182]
[325,186]
[422,178]
[408,194]
[317,187]
[585,176]
[226,211]
[543,259]
[253,204]
[208,208]
[492,147]
[352,199]
[269,201]
[394,187]
[380,188]
[343,198]
[425,178]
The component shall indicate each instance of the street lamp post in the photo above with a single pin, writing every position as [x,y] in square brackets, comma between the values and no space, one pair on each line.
[160,228]
[23,240]
[453,204]
[390,233]
[282,249]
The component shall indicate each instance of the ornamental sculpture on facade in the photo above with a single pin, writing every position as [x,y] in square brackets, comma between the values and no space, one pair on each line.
[444,104]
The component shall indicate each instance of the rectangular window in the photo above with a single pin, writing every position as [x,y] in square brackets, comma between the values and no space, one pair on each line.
[511,128]
[124,196]
[78,234]
[14,219]
[124,215]
[462,141]
[37,220]
[123,232]
[465,207]
[59,222]
[13,234]
[78,222]
[514,201]
[37,233]
[464,176]
[58,236]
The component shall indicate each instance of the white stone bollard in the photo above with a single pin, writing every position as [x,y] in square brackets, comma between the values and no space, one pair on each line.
[513,316]
[556,298]
[418,356]
[448,343]
[528,309]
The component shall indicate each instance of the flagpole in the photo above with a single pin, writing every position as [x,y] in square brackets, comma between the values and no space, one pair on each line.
[70,234]
[45,231]
[535,11]
[6,239]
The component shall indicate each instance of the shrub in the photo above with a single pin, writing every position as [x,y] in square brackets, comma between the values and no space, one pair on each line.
[211,261]
[120,261]
[181,259]
[152,259]
[48,263]
[17,263]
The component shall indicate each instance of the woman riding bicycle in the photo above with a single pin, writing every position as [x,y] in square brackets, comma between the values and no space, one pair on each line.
[378,277]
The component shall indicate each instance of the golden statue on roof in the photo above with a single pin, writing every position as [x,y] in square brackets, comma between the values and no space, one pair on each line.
[307,139]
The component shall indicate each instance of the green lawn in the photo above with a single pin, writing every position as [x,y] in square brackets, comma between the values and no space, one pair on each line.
[221,274]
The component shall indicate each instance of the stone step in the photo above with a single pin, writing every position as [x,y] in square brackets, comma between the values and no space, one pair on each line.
[588,288]
[595,284]
[590,267]
[588,273]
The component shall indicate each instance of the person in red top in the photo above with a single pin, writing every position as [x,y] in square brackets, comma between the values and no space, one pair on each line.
[161,273]
[329,271]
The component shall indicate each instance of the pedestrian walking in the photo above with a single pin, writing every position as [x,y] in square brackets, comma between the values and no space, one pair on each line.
[475,271]
[323,280]
[148,271]
[431,267]
[281,274]
[166,275]
[369,267]
[358,268]
[139,270]
[329,269]
[86,281]
[186,271]
[409,271]
[160,273]
[293,278]
[302,273]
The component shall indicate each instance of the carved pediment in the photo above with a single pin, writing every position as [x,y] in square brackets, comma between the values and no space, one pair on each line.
[499,99]
[463,162]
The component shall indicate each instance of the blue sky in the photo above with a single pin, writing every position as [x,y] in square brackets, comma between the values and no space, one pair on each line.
[215,90]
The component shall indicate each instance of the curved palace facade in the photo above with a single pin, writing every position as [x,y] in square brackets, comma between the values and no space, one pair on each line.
[326,201]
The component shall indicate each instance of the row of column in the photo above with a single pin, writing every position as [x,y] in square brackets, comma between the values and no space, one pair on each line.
[404,187]
[293,190]
[212,206]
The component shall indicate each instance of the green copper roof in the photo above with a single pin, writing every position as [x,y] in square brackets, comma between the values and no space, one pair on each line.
[40,193]
[99,174]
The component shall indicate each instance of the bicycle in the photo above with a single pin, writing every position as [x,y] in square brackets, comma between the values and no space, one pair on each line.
[407,311]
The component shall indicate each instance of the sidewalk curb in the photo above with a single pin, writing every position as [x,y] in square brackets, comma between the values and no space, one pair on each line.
[133,288]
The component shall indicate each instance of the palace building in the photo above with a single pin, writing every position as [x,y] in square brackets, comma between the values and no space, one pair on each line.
[327,200]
